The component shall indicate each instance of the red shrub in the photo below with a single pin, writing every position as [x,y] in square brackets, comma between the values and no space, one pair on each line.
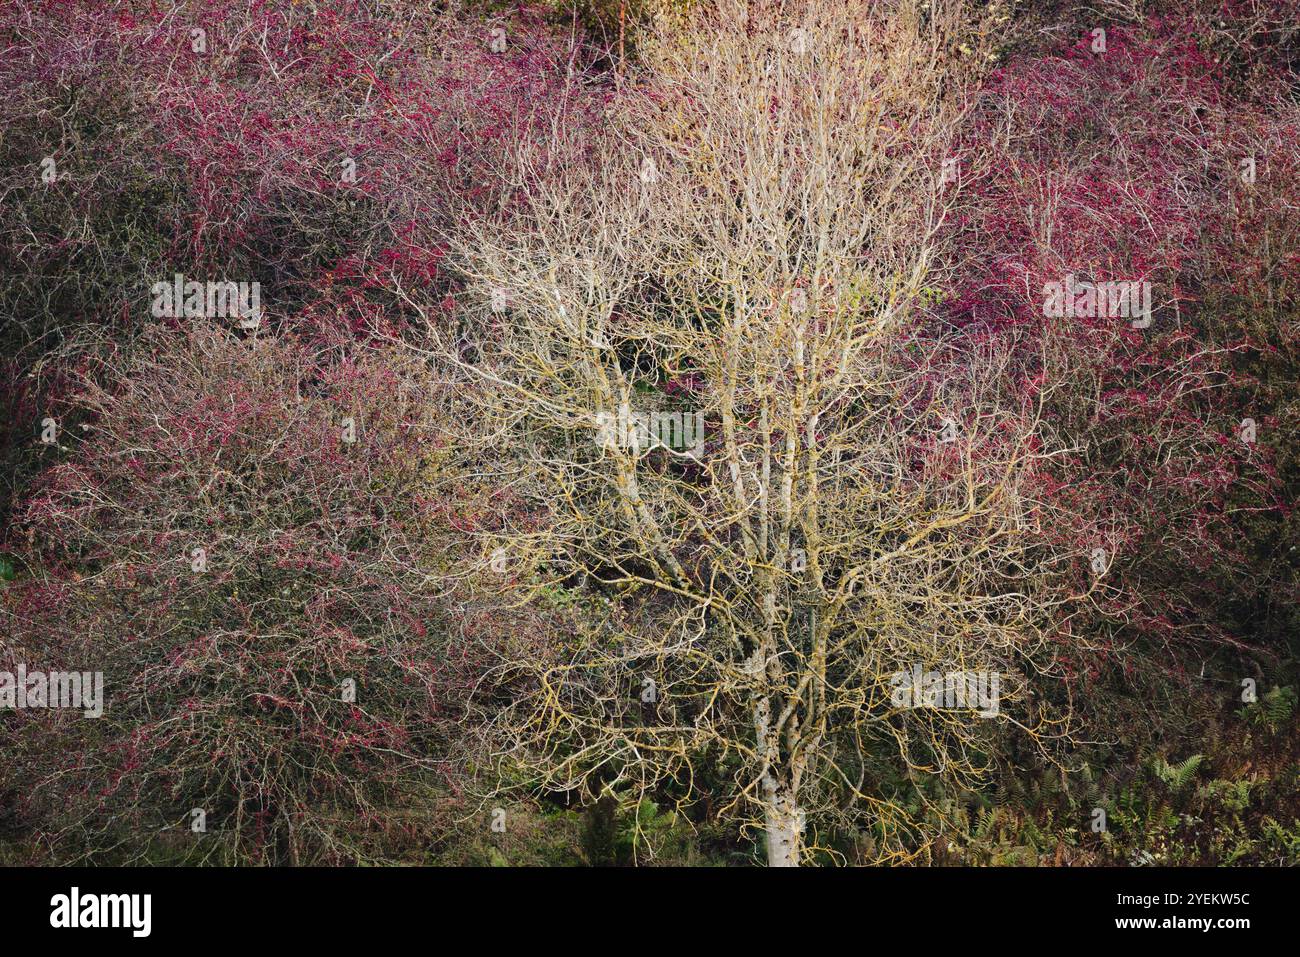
[225,668]
[1126,165]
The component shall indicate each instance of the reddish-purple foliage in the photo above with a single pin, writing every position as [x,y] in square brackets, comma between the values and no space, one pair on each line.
[1126,165]
[319,149]
[224,680]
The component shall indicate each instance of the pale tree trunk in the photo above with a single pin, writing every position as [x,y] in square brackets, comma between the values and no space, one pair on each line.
[780,805]
[782,825]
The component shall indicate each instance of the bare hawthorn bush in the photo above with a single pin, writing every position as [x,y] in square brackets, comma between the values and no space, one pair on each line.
[312,147]
[698,357]
[1133,164]
[244,546]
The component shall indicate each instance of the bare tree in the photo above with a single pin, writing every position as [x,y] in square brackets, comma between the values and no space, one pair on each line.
[699,355]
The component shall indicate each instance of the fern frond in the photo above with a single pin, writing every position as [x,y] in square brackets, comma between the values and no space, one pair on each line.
[1177,776]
